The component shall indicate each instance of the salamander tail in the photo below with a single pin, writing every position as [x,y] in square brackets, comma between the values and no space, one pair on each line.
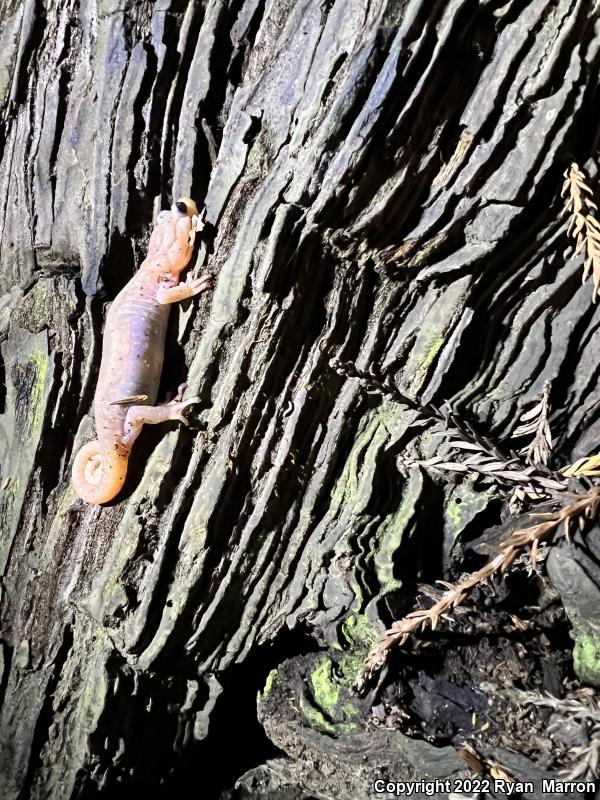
[96,476]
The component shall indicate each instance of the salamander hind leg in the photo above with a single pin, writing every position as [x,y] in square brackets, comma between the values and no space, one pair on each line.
[137,416]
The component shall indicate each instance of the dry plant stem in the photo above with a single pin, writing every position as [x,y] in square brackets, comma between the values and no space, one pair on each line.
[398,633]
[532,485]
[384,387]
[484,457]
[583,225]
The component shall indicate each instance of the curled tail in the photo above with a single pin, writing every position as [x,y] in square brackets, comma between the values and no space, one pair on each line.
[98,476]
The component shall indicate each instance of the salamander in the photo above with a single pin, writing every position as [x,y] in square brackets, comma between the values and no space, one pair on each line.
[132,355]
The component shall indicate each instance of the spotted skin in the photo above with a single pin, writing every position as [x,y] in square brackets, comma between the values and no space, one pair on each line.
[132,356]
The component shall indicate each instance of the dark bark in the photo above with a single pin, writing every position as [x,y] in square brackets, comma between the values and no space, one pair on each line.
[381,182]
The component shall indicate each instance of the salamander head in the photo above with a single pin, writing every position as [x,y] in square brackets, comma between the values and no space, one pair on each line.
[186,207]
[172,241]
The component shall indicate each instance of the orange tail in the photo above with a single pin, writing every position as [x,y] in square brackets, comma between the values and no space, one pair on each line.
[96,476]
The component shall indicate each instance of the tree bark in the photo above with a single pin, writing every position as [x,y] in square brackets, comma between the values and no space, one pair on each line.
[382,183]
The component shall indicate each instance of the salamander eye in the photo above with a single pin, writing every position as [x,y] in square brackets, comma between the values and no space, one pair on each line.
[162,217]
[185,207]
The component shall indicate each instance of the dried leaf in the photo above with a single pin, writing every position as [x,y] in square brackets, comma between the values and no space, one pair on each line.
[518,622]
[583,225]
[590,465]
[501,775]
[471,759]
[535,423]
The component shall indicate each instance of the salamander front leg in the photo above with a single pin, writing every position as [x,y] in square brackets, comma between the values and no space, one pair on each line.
[188,288]
[137,416]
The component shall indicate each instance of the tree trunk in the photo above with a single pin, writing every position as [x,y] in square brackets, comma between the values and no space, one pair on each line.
[382,184]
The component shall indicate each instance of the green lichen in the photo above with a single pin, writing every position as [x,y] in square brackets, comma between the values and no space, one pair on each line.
[355,487]
[359,632]
[261,696]
[332,710]
[325,690]
[438,320]
[463,504]
[354,492]
[315,717]
[346,491]
[586,658]
[389,535]
[40,363]
[349,625]
[391,532]
[360,635]
[431,354]
[453,513]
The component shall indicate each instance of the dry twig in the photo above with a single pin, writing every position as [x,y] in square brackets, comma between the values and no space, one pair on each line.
[583,225]
[484,458]
[585,506]
[373,383]
[532,484]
